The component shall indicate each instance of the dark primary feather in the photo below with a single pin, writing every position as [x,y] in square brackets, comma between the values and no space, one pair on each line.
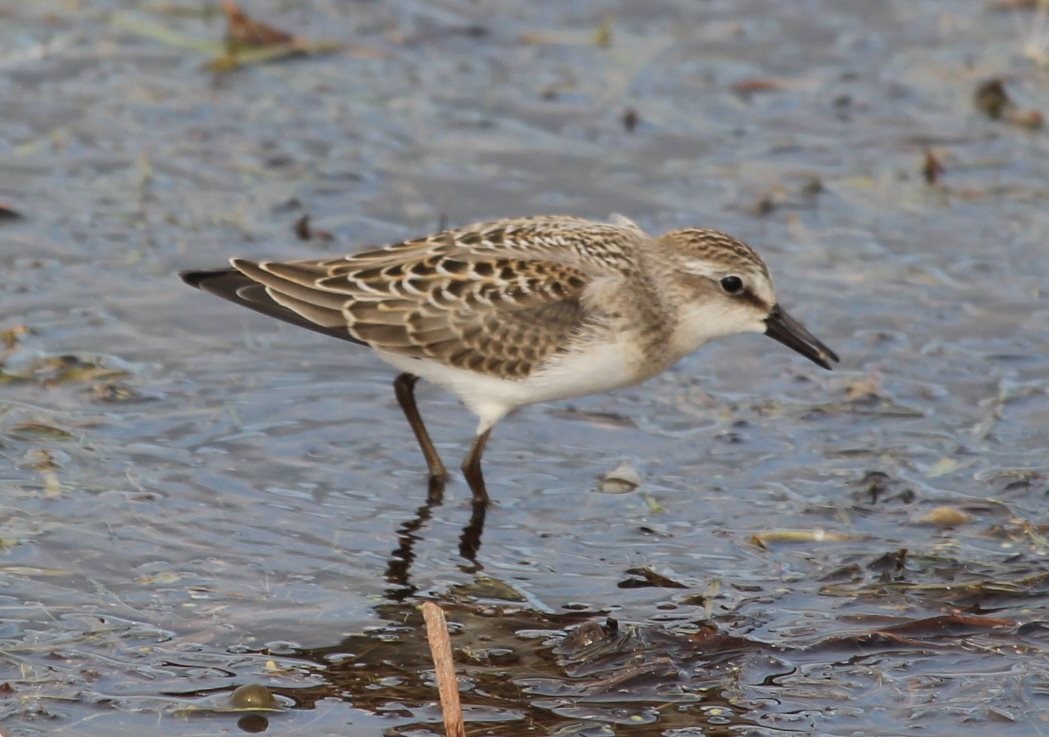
[232,285]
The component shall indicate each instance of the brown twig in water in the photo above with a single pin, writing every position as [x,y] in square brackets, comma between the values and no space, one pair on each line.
[447,686]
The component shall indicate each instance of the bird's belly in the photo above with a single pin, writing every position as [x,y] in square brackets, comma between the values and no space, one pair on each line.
[594,369]
[590,370]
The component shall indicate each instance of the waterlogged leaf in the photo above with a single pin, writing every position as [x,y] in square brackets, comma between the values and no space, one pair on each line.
[942,467]
[917,633]
[165,578]
[68,369]
[39,459]
[765,539]
[486,587]
[263,54]
[113,391]
[250,41]
[603,34]
[33,571]
[622,479]
[244,32]
[945,516]
[41,430]
[865,387]
[10,337]
[648,578]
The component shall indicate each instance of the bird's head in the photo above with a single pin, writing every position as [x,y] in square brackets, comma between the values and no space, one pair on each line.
[732,286]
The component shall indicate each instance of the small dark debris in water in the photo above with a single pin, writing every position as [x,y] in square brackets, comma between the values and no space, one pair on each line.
[747,88]
[603,419]
[932,167]
[992,100]
[39,459]
[890,562]
[113,391]
[851,573]
[244,32]
[253,696]
[1029,630]
[813,186]
[498,656]
[305,232]
[9,213]
[645,577]
[657,530]
[292,203]
[765,205]
[473,31]
[1030,119]
[9,338]
[587,635]
[843,107]
[731,437]
[865,387]
[876,487]
[67,369]
[630,119]
[603,34]
[251,41]
[278,160]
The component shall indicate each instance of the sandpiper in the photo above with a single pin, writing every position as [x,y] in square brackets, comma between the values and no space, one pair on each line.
[512,312]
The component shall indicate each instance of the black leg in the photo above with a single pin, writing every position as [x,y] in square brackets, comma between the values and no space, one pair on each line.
[404,386]
[472,468]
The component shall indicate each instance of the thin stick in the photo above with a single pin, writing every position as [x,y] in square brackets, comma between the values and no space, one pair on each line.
[447,687]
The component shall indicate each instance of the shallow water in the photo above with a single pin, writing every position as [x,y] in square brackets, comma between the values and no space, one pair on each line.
[198,499]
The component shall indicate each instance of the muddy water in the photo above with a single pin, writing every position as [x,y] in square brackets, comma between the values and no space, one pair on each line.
[196,499]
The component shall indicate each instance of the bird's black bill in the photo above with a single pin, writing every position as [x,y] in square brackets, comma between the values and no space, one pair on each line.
[791,333]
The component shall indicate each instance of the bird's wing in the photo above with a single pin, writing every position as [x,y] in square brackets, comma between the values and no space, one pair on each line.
[497,297]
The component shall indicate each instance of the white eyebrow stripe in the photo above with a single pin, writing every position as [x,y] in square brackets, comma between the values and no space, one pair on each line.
[705,268]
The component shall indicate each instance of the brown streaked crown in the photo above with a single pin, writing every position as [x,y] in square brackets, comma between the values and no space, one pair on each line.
[718,248]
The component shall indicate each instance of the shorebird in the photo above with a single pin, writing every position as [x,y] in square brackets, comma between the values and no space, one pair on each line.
[511,312]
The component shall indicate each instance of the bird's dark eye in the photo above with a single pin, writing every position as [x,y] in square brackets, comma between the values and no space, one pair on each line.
[732,284]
